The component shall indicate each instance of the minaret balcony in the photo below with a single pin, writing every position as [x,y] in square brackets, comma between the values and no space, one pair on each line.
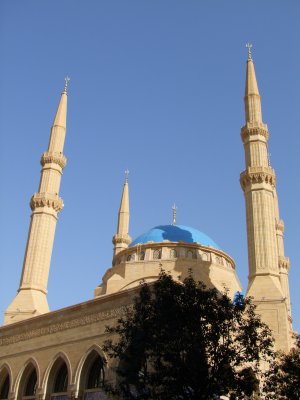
[39,200]
[254,175]
[250,130]
[121,238]
[284,264]
[54,158]
[280,226]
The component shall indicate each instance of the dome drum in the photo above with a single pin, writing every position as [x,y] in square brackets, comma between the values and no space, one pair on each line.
[170,251]
[143,262]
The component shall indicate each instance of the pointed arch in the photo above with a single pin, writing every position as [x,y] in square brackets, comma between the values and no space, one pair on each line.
[57,362]
[5,380]
[22,379]
[91,355]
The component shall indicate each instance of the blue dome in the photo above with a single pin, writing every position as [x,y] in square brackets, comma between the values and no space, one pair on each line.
[174,233]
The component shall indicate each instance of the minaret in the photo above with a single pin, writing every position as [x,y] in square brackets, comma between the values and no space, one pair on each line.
[268,267]
[121,239]
[31,298]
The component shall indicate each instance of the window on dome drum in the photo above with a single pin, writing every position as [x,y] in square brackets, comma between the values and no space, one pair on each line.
[31,384]
[173,253]
[61,380]
[204,256]
[219,260]
[190,254]
[142,255]
[157,254]
[5,388]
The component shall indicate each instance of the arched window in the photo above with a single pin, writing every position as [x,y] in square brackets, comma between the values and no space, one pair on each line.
[156,254]
[96,374]
[189,254]
[130,257]
[219,260]
[31,384]
[92,377]
[173,253]
[58,379]
[204,256]
[142,255]
[61,380]
[4,390]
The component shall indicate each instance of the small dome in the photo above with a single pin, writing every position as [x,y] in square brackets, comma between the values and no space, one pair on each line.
[174,233]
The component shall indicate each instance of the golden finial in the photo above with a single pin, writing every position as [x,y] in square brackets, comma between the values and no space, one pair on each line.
[174,209]
[249,46]
[126,175]
[67,80]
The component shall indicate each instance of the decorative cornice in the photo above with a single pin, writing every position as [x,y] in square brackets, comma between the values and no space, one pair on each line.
[46,200]
[119,238]
[72,323]
[248,131]
[54,157]
[280,225]
[257,175]
[284,263]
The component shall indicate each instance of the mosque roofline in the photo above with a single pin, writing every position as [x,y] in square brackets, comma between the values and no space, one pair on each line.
[62,314]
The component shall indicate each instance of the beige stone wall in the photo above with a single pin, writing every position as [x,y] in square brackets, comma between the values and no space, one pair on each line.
[70,334]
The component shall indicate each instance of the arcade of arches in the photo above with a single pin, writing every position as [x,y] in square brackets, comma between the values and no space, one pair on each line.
[90,376]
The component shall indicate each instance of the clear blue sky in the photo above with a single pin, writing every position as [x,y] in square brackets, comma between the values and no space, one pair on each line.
[156,87]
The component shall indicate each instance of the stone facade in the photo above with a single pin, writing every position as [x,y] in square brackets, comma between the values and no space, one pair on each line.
[71,336]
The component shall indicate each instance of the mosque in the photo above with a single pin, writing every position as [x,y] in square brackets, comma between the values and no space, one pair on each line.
[59,354]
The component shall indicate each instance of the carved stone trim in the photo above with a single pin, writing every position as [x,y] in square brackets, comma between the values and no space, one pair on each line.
[247,131]
[257,175]
[73,323]
[280,225]
[284,263]
[121,239]
[46,200]
[54,157]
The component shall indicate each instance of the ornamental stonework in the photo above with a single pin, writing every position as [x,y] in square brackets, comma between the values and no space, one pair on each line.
[284,263]
[259,174]
[55,158]
[59,327]
[119,238]
[46,200]
[280,226]
[246,132]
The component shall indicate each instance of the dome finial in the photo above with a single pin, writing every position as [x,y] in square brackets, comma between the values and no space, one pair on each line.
[126,175]
[174,209]
[249,46]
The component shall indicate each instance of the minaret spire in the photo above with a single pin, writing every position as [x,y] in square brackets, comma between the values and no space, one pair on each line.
[31,298]
[268,267]
[252,97]
[121,239]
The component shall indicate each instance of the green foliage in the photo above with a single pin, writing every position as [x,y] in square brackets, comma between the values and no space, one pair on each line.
[184,341]
[282,381]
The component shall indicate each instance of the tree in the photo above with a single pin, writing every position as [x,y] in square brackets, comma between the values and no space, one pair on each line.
[282,380]
[185,341]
